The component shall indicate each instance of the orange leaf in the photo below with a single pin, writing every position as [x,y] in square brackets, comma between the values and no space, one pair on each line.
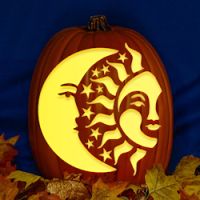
[7,154]
[186,167]
[111,191]
[184,196]
[44,196]
[8,189]
[13,140]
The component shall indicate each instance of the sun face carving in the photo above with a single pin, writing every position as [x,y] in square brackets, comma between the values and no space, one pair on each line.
[116,100]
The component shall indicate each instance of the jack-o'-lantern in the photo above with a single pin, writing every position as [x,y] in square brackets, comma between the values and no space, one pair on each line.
[100,105]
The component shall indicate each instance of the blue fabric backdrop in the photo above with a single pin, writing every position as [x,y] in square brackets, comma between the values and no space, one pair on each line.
[173,27]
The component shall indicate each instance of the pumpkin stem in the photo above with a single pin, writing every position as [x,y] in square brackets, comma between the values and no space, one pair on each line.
[98,23]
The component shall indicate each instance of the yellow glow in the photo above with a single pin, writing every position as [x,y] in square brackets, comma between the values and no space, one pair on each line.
[108,103]
[136,64]
[122,57]
[147,83]
[108,82]
[110,135]
[103,118]
[120,68]
[57,113]
[138,95]
[153,127]
[136,157]
[120,149]
[130,122]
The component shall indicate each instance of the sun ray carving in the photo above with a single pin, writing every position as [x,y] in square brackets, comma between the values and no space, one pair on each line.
[135,158]
[105,101]
[120,149]
[136,64]
[110,135]
[120,69]
[108,82]
[103,118]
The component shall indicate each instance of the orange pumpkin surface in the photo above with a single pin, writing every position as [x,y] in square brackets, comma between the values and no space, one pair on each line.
[123,118]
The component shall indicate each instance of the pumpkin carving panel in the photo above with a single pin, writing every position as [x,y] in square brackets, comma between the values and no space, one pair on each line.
[100,105]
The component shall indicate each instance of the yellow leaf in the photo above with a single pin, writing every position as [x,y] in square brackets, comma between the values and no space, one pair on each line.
[103,191]
[161,187]
[185,174]
[135,188]
[24,176]
[186,167]
[193,189]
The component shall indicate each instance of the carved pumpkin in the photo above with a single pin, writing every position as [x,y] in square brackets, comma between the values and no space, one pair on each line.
[100,105]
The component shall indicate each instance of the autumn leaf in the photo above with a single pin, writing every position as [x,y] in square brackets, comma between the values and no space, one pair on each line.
[68,189]
[184,196]
[28,178]
[44,196]
[192,187]
[102,191]
[186,167]
[185,174]
[34,188]
[12,140]
[7,154]
[8,189]
[161,187]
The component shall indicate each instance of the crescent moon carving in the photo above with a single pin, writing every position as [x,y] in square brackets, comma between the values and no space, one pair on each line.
[57,114]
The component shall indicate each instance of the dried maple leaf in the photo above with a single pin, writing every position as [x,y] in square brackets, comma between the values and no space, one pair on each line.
[186,167]
[102,191]
[185,174]
[184,196]
[8,189]
[192,187]
[44,196]
[28,178]
[161,187]
[7,153]
[12,140]
[33,189]
[68,189]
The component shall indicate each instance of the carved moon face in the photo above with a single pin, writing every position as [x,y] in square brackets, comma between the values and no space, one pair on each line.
[57,113]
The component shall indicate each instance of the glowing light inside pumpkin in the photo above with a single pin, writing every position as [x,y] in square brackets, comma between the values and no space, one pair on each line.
[57,114]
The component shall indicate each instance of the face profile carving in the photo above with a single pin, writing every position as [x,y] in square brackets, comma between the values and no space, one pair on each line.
[142,96]
[112,112]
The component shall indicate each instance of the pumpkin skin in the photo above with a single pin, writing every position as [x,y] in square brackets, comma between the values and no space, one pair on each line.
[70,41]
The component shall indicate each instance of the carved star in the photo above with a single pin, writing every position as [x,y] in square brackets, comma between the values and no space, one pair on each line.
[95,133]
[99,89]
[87,90]
[122,57]
[95,72]
[87,113]
[105,69]
[89,144]
[105,155]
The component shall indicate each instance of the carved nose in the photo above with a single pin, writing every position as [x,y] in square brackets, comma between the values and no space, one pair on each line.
[153,115]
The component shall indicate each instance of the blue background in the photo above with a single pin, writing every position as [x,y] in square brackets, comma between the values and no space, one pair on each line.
[173,27]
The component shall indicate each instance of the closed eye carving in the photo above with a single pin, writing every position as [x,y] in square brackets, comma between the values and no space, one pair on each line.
[137,100]
[137,103]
